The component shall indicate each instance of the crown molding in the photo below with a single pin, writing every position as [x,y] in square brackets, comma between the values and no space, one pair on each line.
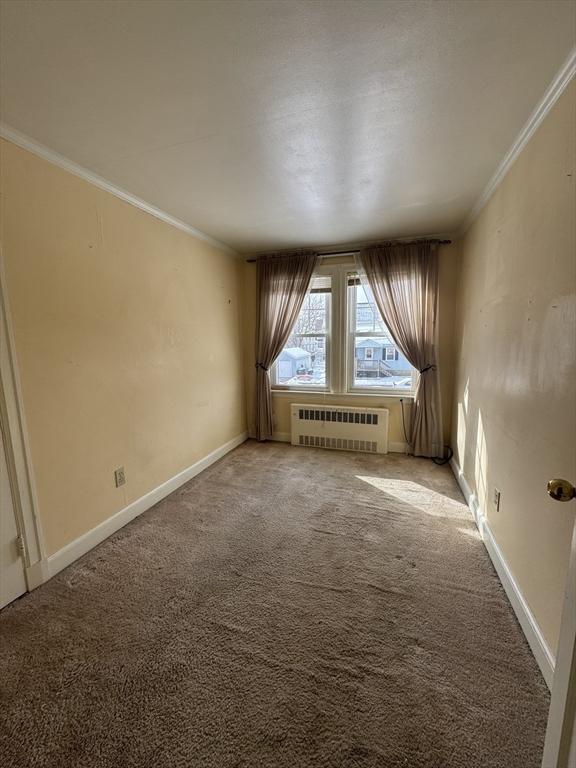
[551,96]
[16,137]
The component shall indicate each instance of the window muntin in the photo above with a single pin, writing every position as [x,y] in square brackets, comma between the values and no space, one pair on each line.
[374,360]
[304,361]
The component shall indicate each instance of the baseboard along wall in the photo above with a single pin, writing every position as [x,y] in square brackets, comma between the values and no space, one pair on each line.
[83,544]
[538,645]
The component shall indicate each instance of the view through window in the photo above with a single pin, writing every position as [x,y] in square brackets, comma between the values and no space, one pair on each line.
[377,361]
[303,361]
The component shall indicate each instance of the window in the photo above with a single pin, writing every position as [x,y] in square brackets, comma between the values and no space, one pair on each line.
[340,343]
[375,360]
[303,363]
[391,353]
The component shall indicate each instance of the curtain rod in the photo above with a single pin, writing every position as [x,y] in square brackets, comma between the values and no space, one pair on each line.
[353,251]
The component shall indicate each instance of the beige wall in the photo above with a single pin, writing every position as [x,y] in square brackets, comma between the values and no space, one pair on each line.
[119,363]
[514,420]
[281,402]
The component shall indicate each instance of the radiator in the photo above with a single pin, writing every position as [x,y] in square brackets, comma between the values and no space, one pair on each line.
[340,428]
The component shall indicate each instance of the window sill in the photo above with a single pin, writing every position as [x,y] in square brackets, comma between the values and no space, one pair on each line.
[342,395]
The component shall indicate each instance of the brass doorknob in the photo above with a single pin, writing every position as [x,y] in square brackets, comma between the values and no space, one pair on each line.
[561,490]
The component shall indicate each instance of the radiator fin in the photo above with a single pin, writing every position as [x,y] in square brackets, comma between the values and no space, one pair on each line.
[338,443]
[338,416]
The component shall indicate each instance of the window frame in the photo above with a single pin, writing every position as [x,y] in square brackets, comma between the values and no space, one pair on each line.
[340,345]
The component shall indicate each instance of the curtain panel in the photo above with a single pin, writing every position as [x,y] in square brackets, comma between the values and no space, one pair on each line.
[404,280]
[282,282]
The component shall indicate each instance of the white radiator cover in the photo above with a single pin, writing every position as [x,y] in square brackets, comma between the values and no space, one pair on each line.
[339,427]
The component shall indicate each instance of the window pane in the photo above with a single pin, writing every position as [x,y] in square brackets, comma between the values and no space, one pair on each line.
[377,360]
[303,362]
[313,316]
[377,363]
[367,317]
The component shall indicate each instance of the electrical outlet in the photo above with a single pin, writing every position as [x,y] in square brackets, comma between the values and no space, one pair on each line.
[119,477]
[496,499]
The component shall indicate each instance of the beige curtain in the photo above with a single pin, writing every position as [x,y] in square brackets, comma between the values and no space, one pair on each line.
[404,280]
[281,285]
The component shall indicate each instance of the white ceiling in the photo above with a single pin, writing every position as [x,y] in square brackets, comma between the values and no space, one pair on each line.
[270,124]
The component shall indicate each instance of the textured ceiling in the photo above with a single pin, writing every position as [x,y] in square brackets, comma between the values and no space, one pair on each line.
[270,124]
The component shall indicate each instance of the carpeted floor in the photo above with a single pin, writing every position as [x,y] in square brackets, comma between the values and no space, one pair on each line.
[288,608]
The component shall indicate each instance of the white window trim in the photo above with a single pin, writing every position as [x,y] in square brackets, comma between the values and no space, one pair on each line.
[340,347]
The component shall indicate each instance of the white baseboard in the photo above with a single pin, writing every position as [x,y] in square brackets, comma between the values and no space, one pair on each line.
[282,437]
[92,538]
[538,645]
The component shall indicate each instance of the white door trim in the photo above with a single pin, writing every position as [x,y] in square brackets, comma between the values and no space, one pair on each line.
[560,743]
[12,574]
[17,449]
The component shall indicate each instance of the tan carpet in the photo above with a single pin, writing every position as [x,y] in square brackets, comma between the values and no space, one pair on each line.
[289,607]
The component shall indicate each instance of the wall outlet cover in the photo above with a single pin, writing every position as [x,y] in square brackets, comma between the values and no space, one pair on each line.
[119,477]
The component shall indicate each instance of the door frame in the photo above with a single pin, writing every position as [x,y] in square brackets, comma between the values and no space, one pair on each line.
[17,450]
[560,742]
